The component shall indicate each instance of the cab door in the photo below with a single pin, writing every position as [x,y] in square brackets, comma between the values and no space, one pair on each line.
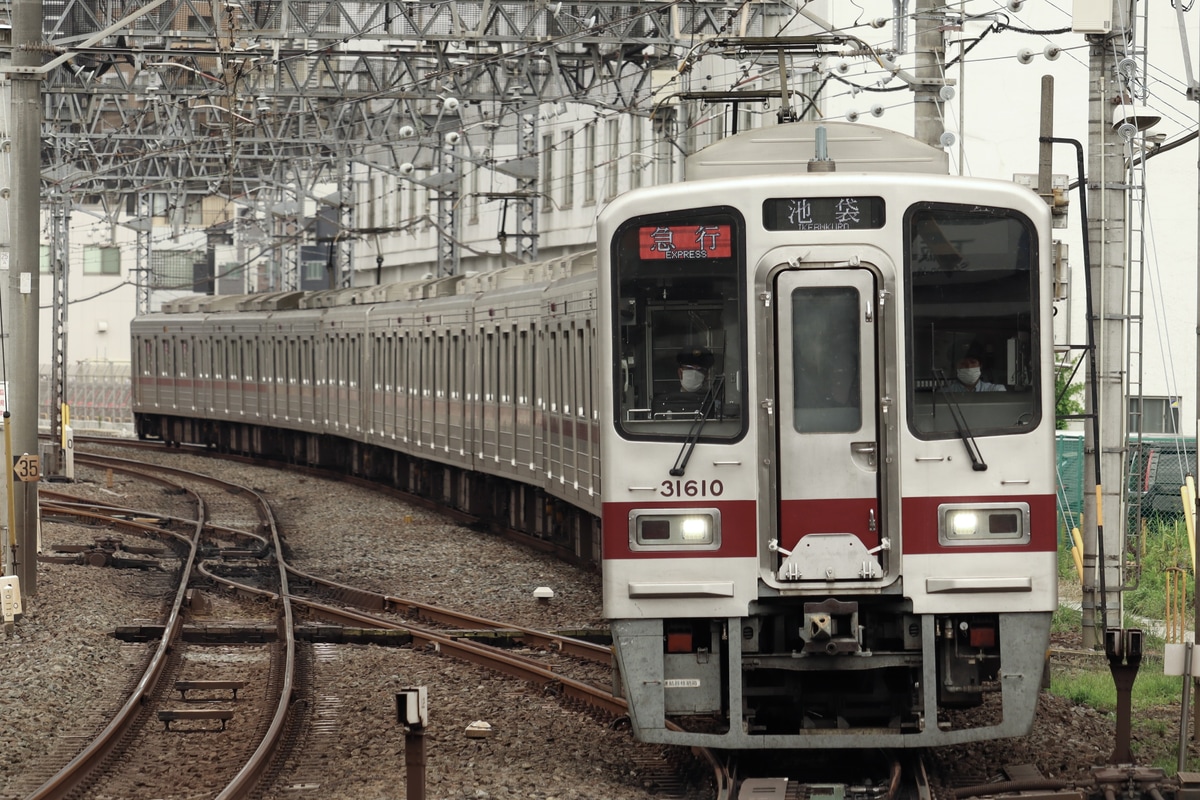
[828,448]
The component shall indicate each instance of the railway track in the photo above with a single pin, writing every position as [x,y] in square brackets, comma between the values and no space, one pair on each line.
[324,605]
[226,570]
[144,736]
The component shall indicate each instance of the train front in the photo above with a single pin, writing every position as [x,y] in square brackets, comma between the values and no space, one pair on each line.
[828,514]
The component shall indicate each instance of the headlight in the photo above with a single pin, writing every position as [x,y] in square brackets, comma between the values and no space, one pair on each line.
[983,523]
[691,528]
[963,523]
[696,529]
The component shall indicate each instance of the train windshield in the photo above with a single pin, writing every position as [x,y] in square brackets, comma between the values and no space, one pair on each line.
[679,326]
[972,299]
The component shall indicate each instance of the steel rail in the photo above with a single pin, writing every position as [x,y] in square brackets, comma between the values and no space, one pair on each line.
[135,520]
[375,601]
[516,666]
[248,778]
[525,669]
[64,782]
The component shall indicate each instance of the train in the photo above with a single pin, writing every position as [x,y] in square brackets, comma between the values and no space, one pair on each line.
[798,408]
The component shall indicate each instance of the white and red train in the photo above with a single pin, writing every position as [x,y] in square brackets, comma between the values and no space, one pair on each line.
[830,541]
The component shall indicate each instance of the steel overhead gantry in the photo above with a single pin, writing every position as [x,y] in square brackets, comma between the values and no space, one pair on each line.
[190,100]
[157,106]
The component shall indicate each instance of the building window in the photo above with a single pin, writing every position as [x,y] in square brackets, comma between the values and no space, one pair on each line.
[372,191]
[568,157]
[1154,414]
[384,201]
[745,120]
[638,161]
[313,270]
[473,203]
[662,161]
[174,269]
[716,128]
[589,164]
[547,169]
[612,171]
[101,260]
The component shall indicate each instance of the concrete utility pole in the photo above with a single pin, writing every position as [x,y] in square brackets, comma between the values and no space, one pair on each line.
[24,216]
[5,264]
[1103,512]
[930,52]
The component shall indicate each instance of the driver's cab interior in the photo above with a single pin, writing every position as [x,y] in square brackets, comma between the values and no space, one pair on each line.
[679,327]
[972,286]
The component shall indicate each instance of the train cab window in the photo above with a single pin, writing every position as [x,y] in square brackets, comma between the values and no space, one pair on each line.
[679,325]
[971,278]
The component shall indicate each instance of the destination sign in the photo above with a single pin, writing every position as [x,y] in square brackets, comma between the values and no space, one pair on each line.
[823,213]
[671,242]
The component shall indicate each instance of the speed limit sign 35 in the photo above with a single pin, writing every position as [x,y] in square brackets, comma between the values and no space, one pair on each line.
[27,468]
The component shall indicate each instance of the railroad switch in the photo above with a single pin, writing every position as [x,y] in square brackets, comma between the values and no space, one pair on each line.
[1189,786]
[108,551]
[1124,650]
[412,712]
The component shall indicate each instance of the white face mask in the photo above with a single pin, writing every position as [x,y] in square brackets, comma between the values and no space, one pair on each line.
[691,380]
[969,375]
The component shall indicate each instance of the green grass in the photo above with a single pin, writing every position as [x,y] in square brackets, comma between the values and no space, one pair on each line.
[1162,547]
[1066,620]
[1093,686]
[1156,698]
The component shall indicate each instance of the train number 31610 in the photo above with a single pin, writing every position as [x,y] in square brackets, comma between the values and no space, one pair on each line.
[702,488]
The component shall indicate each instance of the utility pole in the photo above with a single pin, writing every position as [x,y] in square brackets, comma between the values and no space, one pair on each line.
[23,289]
[1103,511]
[929,71]
[60,272]
[448,186]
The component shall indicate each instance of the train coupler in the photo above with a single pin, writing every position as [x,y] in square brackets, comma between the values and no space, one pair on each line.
[831,628]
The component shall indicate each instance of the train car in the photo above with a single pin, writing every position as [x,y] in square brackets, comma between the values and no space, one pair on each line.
[477,391]
[835,541]
[745,405]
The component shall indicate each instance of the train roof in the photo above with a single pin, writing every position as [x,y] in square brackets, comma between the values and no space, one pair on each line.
[520,275]
[788,150]
[515,276]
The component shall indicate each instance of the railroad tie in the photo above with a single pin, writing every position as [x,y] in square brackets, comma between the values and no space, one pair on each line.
[221,714]
[186,686]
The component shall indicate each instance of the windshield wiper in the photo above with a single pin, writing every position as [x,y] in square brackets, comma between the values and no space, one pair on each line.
[960,423]
[706,408]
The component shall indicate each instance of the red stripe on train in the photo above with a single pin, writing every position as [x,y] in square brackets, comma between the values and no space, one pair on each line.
[738,530]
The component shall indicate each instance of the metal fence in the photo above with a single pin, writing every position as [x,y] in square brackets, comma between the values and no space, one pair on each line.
[98,393]
[1155,471]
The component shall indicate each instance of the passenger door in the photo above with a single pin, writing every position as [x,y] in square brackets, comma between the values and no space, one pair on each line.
[829,448]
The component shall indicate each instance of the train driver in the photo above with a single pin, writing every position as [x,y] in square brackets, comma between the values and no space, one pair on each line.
[694,367]
[969,379]
[695,363]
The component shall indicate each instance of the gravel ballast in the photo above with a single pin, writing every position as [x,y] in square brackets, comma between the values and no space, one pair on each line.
[62,658]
